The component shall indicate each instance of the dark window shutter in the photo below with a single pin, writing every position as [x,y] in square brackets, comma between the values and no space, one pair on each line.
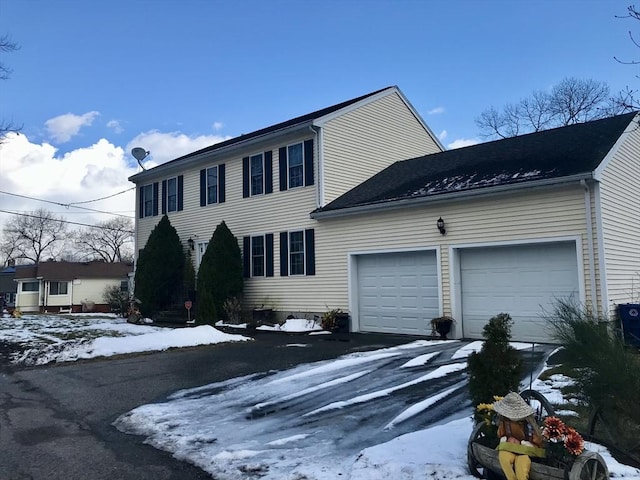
[180,192]
[155,199]
[246,256]
[268,251]
[245,177]
[203,187]
[221,183]
[310,251]
[284,254]
[308,162]
[282,165]
[140,202]
[164,197]
[268,172]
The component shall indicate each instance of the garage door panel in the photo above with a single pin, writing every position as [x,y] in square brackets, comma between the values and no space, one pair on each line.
[523,281]
[397,292]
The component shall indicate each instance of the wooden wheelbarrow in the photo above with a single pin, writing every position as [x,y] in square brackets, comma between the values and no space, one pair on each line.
[482,458]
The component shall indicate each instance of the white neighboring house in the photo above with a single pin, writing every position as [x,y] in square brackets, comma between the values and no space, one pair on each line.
[59,287]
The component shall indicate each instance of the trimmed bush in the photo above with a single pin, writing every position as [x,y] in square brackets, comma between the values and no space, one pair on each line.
[219,276]
[160,270]
[497,368]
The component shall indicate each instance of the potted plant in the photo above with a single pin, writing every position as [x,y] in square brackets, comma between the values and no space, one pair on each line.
[335,320]
[441,326]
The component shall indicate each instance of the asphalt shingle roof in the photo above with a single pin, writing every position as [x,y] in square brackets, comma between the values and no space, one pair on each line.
[560,152]
[71,270]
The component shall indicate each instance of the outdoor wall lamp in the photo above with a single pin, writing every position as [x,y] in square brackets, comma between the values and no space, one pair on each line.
[192,244]
[440,225]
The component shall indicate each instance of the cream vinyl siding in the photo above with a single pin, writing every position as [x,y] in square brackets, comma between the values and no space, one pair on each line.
[523,217]
[28,301]
[620,211]
[92,289]
[363,142]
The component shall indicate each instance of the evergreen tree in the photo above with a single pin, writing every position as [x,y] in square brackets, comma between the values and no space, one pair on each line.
[160,270]
[497,368]
[219,275]
[189,277]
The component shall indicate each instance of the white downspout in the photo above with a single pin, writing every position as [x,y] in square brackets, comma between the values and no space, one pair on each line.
[592,264]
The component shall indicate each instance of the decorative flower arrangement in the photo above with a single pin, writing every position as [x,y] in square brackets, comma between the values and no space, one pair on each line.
[485,413]
[563,442]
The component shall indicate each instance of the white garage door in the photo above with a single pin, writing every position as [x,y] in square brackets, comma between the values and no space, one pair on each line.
[397,292]
[522,281]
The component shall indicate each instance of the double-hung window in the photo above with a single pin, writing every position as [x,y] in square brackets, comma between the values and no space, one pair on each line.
[256,163]
[257,256]
[295,168]
[58,288]
[212,185]
[296,253]
[172,195]
[146,192]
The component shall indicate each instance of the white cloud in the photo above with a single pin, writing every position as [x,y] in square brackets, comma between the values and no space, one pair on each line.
[33,170]
[217,126]
[463,142]
[436,111]
[443,135]
[115,126]
[167,146]
[63,127]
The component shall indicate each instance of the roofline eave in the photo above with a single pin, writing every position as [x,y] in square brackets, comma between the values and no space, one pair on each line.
[190,160]
[450,197]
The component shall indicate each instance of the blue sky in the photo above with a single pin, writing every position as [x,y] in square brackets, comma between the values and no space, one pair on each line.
[94,78]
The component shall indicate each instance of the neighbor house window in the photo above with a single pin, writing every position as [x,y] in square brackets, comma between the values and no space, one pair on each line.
[31,286]
[256,163]
[124,285]
[295,157]
[296,253]
[58,288]
[257,256]
[172,195]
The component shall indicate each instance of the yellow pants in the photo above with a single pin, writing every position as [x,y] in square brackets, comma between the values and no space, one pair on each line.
[514,466]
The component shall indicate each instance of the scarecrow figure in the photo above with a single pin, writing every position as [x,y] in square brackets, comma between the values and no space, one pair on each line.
[520,436]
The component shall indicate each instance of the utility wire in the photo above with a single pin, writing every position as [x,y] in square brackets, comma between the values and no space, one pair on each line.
[67,205]
[71,223]
[104,198]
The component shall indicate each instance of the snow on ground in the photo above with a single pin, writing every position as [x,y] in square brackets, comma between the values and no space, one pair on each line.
[64,338]
[193,425]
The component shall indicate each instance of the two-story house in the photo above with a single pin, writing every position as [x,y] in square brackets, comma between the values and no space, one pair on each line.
[265,184]
[358,207]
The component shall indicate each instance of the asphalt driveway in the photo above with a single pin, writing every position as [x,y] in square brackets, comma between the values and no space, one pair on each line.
[56,421]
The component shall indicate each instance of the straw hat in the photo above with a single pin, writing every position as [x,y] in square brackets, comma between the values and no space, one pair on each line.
[513,407]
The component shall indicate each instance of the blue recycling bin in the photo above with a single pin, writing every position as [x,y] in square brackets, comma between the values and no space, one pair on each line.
[630,321]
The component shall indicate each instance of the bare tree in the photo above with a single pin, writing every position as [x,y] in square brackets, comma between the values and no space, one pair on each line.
[6,46]
[571,101]
[627,99]
[35,235]
[110,241]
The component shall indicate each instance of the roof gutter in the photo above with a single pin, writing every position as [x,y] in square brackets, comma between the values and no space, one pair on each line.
[450,197]
[179,164]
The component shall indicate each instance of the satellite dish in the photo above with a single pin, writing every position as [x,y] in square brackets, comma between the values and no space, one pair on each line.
[139,154]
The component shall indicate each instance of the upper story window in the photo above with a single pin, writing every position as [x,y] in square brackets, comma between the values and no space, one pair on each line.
[256,165]
[257,174]
[148,200]
[30,286]
[172,193]
[296,165]
[58,288]
[295,157]
[212,185]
